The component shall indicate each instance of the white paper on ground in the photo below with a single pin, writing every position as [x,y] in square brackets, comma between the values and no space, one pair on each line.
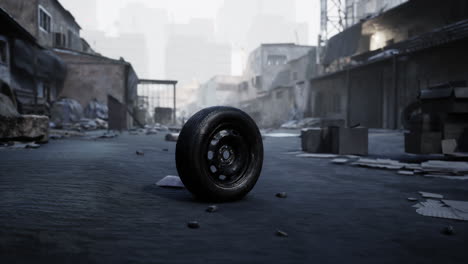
[431,195]
[458,205]
[170,181]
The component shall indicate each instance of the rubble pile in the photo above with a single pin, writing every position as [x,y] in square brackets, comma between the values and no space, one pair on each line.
[313,122]
[68,114]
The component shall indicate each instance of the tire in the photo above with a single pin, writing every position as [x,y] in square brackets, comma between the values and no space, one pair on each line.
[219,154]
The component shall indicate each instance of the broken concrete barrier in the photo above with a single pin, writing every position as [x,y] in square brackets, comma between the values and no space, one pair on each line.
[25,128]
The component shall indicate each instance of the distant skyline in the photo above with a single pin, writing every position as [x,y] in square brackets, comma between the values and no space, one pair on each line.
[243,24]
[181,11]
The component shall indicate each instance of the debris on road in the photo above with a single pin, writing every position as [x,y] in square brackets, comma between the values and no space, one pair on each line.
[448,177]
[33,146]
[431,195]
[281,233]
[172,137]
[212,209]
[316,155]
[411,199]
[448,230]
[280,135]
[193,225]
[171,182]
[406,172]
[450,167]
[282,195]
[140,153]
[109,134]
[448,209]
[340,161]
[165,149]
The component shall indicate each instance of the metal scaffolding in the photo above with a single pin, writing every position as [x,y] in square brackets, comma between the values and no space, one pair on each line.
[154,94]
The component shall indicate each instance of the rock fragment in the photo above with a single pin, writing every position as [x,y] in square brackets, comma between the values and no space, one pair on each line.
[193,225]
[212,209]
[281,233]
[282,195]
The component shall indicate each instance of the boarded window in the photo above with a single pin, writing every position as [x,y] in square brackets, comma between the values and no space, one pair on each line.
[44,20]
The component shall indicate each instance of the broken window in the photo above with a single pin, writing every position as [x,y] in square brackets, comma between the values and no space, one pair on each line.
[60,40]
[3,52]
[40,90]
[274,60]
[258,81]
[44,20]
[70,37]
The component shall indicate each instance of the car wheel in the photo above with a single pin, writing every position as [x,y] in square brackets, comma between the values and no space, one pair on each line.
[219,154]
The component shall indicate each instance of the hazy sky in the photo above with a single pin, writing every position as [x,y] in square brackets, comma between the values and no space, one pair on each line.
[181,11]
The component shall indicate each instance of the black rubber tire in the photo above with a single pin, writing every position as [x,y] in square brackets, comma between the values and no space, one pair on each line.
[193,161]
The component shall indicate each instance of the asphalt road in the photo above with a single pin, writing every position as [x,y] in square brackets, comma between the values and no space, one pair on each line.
[86,201]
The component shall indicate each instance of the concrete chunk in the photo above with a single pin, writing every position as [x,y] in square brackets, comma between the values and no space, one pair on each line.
[25,128]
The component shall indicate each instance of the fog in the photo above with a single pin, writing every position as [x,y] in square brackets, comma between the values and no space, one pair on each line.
[141,31]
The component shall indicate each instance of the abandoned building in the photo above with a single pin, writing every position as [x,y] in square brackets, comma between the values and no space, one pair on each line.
[110,82]
[30,74]
[266,92]
[51,61]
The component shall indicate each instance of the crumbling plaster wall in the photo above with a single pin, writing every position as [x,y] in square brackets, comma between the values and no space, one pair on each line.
[91,78]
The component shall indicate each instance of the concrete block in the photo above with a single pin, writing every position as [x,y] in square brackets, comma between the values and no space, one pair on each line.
[315,140]
[423,143]
[27,128]
[349,141]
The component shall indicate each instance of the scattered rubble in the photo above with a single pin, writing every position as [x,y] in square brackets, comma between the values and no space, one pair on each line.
[96,110]
[66,111]
[313,122]
[109,134]
[33,146]
[212,209]
[193,225]
[319,156]
[281,233]
[171,182]
[172,137]
[140,153]
[282,195]
[340,161]
[411,199]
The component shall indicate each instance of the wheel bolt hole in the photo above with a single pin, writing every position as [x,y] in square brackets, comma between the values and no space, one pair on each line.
[213,169]
[214,142]
[226,154]
[210,155]
[222,177]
